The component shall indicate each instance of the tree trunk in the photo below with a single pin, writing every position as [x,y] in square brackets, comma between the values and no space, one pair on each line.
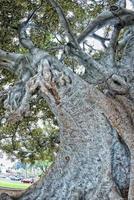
[93,161]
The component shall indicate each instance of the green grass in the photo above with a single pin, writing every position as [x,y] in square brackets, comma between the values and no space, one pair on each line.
[13,185]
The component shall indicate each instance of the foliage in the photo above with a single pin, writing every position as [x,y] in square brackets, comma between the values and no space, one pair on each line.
[28,141]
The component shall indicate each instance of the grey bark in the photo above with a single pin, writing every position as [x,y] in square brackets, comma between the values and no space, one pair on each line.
[93,162]
[96,156]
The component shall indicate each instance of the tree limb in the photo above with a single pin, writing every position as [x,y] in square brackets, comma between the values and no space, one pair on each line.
[114,16]
[8,56]
[113,45]
[23,37]
[101,39]
[7,60]
[64,22]
[73,47]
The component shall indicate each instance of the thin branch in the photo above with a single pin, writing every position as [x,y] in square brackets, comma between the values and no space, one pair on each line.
[64,22]
[114,16]
[54,48]
[91,48]
[101,39]
[23,37]
[98,37]
[73,46]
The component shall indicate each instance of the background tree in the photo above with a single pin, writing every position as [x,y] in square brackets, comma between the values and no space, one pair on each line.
[34,138]
[94,110]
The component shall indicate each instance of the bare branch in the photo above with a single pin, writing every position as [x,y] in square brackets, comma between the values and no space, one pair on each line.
[73,46]
[90,47]
[8,56]
[23,36]
[114,16]
[113,45]
[64,22]
[101,39]
[7,60]
[98,37]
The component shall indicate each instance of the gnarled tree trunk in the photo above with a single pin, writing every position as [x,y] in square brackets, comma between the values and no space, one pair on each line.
[95,160]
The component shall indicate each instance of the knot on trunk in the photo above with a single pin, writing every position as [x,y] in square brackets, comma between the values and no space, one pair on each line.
[51,80]
[118,85]
[114,8]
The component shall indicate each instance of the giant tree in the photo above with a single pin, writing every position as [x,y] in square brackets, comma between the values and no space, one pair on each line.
[94,111]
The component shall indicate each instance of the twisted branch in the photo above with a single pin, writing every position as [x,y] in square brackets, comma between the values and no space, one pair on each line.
[64,22]
[23,37]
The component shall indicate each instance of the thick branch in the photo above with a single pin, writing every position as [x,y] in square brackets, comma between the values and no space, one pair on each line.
[7,60]
[73,47]
[8,56]
[113,45]
[3,95]
[114,16]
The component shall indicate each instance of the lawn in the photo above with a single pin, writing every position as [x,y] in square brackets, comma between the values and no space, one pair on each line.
[14,185]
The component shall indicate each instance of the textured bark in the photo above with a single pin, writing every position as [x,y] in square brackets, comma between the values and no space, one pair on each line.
[5,196]
[95,139]
[95,160]
[96,119]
